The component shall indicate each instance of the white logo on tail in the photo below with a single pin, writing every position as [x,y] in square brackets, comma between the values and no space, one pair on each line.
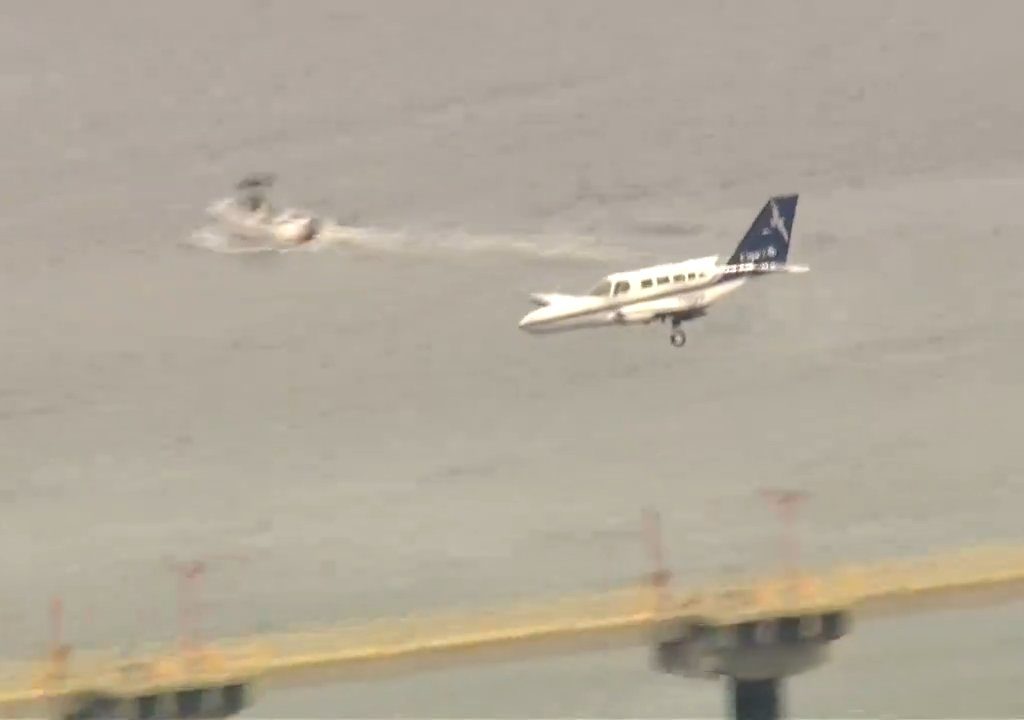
[777,222]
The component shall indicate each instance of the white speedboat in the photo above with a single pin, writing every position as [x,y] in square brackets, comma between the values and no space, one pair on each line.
[249,216]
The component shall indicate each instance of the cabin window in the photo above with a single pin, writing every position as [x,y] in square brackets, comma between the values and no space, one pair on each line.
[679,278]
[646,283]
[662,280]
[621,287]
[602,289]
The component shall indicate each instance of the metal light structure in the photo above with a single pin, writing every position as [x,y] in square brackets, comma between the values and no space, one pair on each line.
[787,502]
[190,575]
[59,650]
[660,575]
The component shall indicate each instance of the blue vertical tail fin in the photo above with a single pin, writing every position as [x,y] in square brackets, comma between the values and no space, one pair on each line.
[768,239]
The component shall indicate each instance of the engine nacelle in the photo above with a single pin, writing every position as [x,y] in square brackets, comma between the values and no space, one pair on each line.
[633,318]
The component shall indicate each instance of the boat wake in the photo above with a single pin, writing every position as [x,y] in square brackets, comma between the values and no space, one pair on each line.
[435,243]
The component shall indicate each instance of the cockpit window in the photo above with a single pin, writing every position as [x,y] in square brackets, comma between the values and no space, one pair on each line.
[602,289]
[621,287]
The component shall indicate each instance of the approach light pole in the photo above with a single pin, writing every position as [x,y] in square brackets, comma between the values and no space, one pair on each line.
[191,574]
[660,575]
[787,503]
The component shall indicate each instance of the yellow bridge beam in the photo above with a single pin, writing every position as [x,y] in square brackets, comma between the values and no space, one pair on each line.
[629,617]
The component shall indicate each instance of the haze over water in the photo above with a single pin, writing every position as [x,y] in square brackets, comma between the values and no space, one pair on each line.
[359,431]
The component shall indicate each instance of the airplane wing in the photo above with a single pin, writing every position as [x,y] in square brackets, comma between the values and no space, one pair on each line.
[545,299]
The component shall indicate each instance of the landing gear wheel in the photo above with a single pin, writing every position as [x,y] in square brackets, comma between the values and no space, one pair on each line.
[677,338]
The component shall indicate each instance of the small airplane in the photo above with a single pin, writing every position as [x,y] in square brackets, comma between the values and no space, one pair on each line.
[678,292]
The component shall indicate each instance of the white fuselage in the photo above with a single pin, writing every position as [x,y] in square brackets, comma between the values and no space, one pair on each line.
[635,296]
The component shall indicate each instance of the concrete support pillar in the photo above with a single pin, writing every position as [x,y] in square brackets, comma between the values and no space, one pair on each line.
[755,699]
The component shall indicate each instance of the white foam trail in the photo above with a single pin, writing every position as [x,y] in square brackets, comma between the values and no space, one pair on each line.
[209,238]
[565,247]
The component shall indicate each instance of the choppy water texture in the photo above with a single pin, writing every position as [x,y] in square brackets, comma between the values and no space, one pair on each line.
[364,429]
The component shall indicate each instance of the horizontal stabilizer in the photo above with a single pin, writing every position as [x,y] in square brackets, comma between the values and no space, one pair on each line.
[759,268]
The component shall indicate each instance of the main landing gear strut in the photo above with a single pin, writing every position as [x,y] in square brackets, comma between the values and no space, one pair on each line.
[677,337]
